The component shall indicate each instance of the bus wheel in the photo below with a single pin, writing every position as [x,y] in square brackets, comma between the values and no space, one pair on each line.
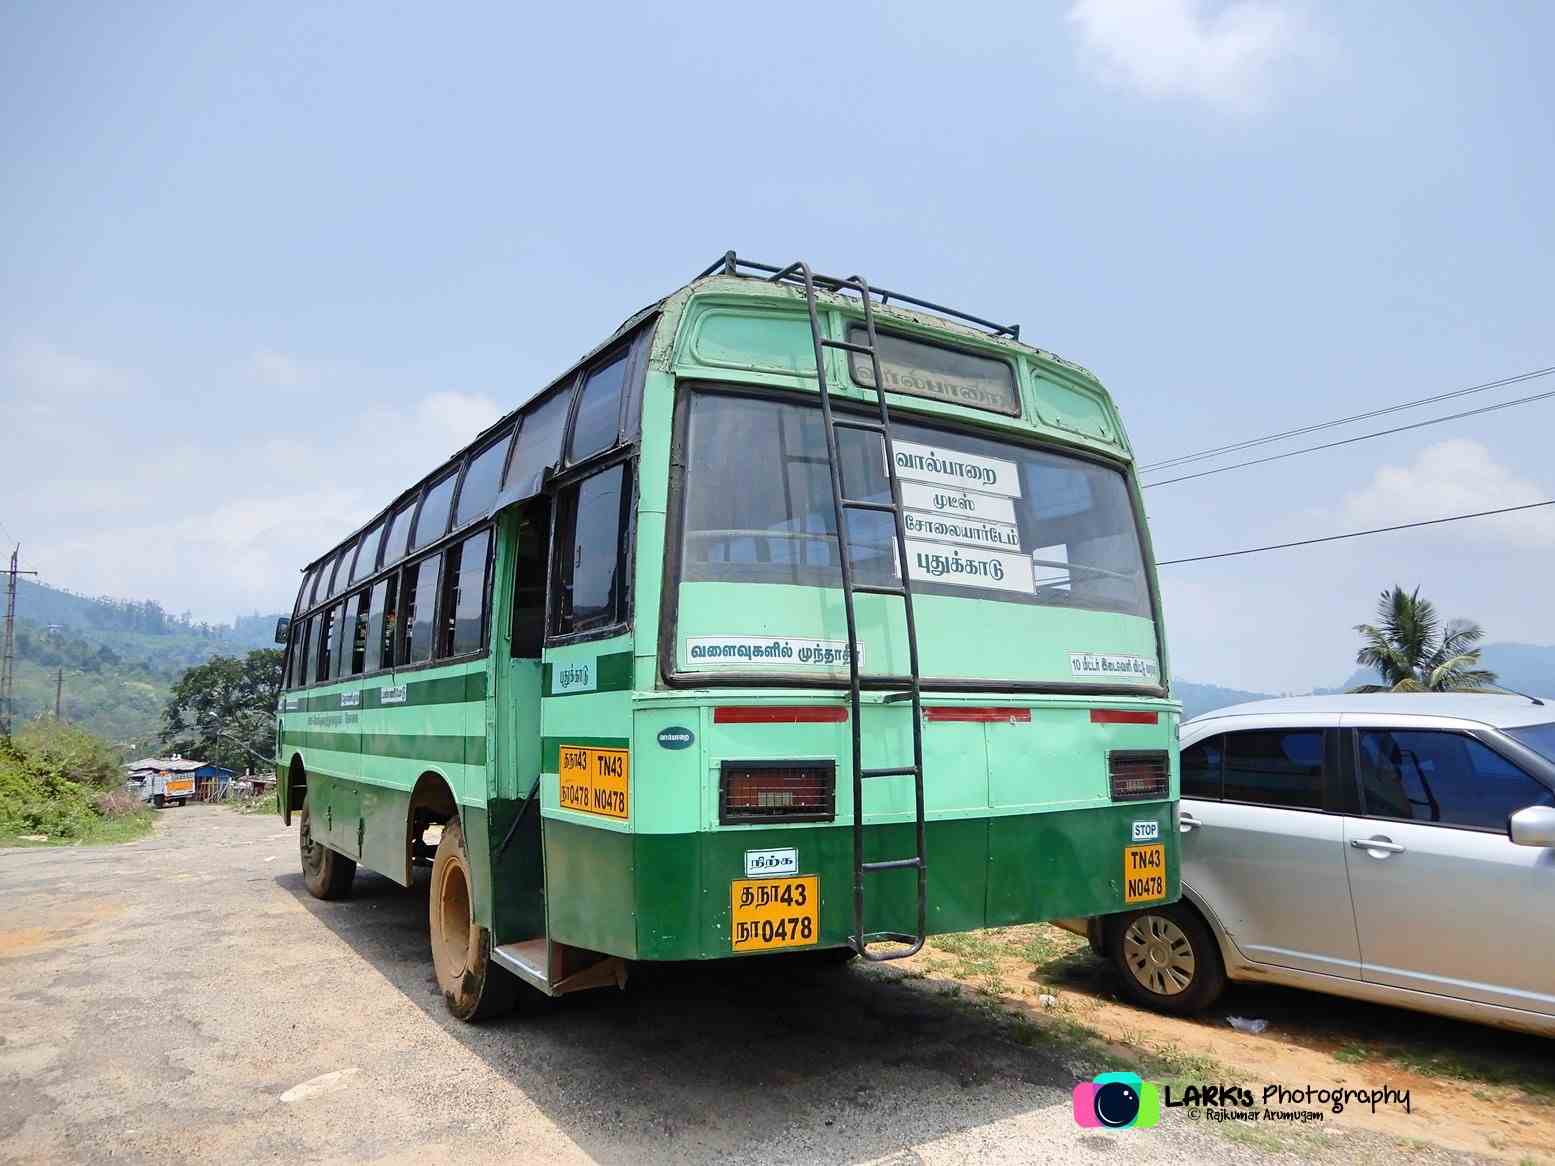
[473,987]
[327,873]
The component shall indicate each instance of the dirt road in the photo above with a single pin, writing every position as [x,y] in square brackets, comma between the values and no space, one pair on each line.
[183,999]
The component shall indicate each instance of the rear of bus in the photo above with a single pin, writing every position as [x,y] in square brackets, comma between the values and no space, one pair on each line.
[1048,738]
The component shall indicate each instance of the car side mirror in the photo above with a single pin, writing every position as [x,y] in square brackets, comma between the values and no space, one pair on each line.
[282,627]
[1534,826]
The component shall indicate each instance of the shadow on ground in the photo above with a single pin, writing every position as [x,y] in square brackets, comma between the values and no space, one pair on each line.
[732,1055]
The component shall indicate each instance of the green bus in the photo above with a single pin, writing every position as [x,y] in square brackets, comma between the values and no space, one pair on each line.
[713,649]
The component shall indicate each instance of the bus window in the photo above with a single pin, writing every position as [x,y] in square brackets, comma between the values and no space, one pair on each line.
[464,594]
[367,555]
[337,573]
[418,600]
[380,626]
[313,584]
[539,443]
[481,482]
[598,422]
[326,645]
[534,532]
[397,534]
[344,635]
[589,553]
[356,654]
[432,522]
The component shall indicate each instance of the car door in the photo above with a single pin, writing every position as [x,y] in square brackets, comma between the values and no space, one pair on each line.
[1445,902]
[1264,855]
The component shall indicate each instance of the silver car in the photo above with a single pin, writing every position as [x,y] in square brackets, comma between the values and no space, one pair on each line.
[1398,848]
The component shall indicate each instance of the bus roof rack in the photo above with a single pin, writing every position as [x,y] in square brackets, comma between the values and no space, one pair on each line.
[731,264]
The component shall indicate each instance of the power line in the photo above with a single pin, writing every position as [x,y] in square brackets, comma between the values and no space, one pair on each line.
[1274,457]
[1306,542]
[1240,445]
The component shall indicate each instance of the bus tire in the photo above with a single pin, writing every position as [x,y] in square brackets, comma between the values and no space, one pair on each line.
[1167,958]
[326,873]
[473,987]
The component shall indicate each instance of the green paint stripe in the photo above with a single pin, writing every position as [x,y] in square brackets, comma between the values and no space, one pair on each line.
[439,690]
[445,749]
[613,673]
[550,748]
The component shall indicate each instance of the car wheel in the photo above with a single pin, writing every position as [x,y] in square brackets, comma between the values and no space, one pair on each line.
[1167,958]
[326,873]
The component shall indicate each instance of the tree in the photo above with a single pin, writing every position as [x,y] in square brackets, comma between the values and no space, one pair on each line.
[223,711]
[1413,651]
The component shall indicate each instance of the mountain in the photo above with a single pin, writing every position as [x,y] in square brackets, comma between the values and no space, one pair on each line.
[1203,698]
[119,657]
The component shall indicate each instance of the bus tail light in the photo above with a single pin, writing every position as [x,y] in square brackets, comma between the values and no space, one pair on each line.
[776,791]
[1138,775]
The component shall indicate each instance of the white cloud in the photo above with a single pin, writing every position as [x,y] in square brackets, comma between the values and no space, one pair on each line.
[1459,476]
[44,372]
[276,368]
[213,526]
[1225,55]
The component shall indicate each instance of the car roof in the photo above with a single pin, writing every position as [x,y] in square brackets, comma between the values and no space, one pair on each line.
[1501,710]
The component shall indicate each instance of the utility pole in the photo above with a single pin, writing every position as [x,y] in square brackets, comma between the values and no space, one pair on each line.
[59,691]
[8,656]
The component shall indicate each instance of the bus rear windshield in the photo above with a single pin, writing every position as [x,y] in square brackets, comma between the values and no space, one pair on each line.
[985,519]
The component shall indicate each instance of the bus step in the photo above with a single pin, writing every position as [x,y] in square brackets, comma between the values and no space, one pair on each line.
[891,771]
[879,588]
[527,960]
[853,423]
[895,864]
[857,504]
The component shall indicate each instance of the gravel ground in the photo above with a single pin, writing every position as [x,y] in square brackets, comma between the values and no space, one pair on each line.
[183,999]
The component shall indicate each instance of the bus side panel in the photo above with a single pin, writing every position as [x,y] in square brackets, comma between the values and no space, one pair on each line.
[1045,866]
[588,887]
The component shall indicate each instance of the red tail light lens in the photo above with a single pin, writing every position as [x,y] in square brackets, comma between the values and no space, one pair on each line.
[1138,775]
[776,791]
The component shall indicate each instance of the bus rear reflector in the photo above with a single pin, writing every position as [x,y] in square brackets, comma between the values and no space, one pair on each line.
[770,714]
[1123,717]
[776,791]
[983,714]
[1136,775]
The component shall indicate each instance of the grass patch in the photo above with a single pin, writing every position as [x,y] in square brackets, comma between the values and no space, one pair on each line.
[104,831]
[1351,1053]
[1472,1065]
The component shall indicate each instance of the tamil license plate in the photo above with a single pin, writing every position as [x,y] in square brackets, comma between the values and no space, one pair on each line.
[769,913]
[1144,873]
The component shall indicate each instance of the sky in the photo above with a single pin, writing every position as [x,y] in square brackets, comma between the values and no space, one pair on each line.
[262,266]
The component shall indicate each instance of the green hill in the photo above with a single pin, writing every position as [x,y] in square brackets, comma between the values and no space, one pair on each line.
[120,659]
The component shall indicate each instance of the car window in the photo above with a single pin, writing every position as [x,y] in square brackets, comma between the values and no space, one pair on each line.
[1539,738]
[1275,767]
[1201,769]
[1425,775]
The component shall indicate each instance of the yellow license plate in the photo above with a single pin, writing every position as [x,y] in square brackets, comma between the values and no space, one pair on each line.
[769,913]
[595,781]
[1144,873]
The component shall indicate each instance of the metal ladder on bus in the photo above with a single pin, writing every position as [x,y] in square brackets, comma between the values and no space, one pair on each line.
[842,505]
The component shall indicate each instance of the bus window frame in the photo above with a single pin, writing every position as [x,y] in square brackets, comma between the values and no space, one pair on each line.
[469,460]
[625,353]
[670,674]
[472,531]
[623,454]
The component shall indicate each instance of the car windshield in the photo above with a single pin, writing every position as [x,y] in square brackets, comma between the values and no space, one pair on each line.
[1539,738]
[985,519]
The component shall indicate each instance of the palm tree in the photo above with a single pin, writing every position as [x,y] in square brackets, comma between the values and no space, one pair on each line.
[1413,651]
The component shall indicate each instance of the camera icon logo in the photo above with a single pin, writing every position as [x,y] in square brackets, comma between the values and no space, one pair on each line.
[1117,1101]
